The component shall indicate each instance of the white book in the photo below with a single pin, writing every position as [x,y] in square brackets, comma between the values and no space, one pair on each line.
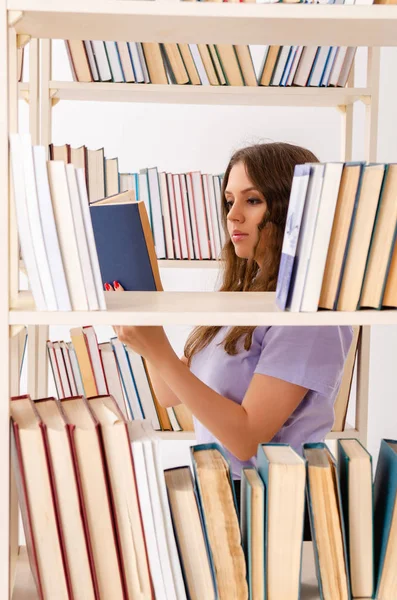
[32,202]
[179,586]
[49,229]
[321,237]
[114,61]
[218,201]
[101,58]
[67,391]
[113,376]
[337,66]
[127,379]
[294,65]
[82,245]
[137,445]
[67,235]
[306,235]
[201,216]
[136,62]
[91,60]
[328,66]
[214,216]
[198,61]
[127,182]
[69,369]
[165,207]
[142,60]
[347,65]
[211,225]
[288,65]
[126,63]
[173,420]
[258,54]
[24,229]
[155,202]
[174,218]
[305,65]
[280,65]
[319,66]
[192,210]
[94,262]
[188,217]
[95,356]
[144,391]
[180,216]
[54,369]
[144,194]
[76,370]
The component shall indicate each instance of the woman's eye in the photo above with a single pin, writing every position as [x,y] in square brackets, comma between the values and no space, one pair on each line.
[228,204]
[254,200]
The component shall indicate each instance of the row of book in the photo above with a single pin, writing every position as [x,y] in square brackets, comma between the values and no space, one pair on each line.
[84,367]
[209,64]
[184,209]
[121,524]
[339,250]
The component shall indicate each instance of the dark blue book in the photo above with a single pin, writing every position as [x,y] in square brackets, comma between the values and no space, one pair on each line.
[124,244]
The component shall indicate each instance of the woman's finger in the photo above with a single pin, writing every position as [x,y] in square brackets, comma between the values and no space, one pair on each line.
[117,286]
[108,287]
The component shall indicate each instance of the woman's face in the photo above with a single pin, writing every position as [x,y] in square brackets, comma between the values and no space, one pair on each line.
[246,208]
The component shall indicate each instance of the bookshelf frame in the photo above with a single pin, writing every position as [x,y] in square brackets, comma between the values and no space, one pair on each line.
[21,20]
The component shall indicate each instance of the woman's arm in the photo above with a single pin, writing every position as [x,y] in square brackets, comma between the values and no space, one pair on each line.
[164,395]
[266,406]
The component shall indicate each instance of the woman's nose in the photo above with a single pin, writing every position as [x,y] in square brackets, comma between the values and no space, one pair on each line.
[235,213]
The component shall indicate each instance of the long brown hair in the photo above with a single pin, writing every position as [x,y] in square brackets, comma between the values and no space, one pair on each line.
[270,167]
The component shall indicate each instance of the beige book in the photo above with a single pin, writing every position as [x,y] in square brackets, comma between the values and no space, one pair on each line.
[285,506]
[184,417]
[222,525]
[154,62]
[125,496]
[257,533]
[342,400]
[111,176]
[358,481]
[247,68]
[189,64]
[70,509]
[217,64]
[36,500]
[270,63]
[339,235]
[84,359]
[60,152]
[382,243]
[161,411]
[79,60]
[90,463]
[96,174]
[390,295]
[126,63]
[357,252]
[324,501]
[229,61]
[208,65]
[176,63]
[121,198]
[189,533]
[78,157]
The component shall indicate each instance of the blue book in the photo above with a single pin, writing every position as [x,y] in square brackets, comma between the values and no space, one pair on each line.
[283,473]
[127,379]
[326,522]
[385,492]
[355,478]
[231,575]
[252,522]
[125,245]
[291,232]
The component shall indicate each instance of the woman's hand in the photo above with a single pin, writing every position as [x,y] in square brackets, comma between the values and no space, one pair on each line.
[150,342]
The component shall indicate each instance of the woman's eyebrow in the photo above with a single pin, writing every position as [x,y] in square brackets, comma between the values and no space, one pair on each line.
[250,189]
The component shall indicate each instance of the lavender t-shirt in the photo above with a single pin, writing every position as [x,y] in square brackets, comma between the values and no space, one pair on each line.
[312,357]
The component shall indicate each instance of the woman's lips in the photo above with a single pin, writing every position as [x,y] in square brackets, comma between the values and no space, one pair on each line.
[238,236]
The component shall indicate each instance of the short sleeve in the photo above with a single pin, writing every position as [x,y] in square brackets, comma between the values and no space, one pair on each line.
[312,357]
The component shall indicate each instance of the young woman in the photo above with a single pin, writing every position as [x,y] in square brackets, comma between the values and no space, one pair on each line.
[249,385]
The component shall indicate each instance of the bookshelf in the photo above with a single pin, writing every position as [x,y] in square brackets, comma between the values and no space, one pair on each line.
[23,20]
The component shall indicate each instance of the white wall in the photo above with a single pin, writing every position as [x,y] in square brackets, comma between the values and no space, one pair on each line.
[182,138]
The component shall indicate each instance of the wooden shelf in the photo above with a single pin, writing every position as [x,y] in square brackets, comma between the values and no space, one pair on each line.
[169,264]
[222,95]
[192,308]
[197,22]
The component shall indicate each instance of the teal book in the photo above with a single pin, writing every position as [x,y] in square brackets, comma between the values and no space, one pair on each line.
[326,522]
[385,520]
[356,487]
[252,523]
[218,507]
[284,476]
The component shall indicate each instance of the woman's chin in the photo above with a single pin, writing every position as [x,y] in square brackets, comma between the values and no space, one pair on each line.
[241,253]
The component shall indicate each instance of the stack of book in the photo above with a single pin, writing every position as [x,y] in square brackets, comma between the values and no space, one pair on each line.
[339,250]
[184,209]
[120,523]
[84,367]
[210,64]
